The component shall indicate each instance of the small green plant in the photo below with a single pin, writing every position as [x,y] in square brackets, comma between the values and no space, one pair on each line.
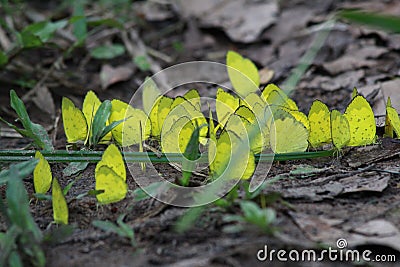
[31,130]
[252,214]
[20,245]
[120,228]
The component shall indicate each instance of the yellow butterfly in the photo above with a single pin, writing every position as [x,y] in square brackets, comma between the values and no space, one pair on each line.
[242,73]
[299,116]
[176,139]
[273,95]
[158,113]
[287,134]
[42,176]
[255,130]
[77,123]
[319,118]
[60,207]
[150,94]
[340,129]
[74,121]
[135,129]
[194,98]
[392,121]
[361,120]
[228,156]
[110,174]
[256,104]
[225,105]
[183,107]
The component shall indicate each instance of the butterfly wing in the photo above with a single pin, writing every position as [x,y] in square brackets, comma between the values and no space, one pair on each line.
[392,121]
[74,121]
[287,134]
[60,207]
[112,158]
[134,129]
[229,156]
[114,186]
[242,73]
[340,129]
[225,105]
[177,138]
[273,95]
[319,118]
[42,176]
[361,120]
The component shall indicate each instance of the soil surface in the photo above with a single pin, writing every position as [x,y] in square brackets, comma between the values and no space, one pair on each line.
[354,195]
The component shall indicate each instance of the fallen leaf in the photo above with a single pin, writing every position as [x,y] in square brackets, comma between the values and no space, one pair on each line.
[355,58]
[348,79]
[314,192]
[243,21]
[110,75]
[44,100]
[371,182]
[391,89]
[318,228]
[378,103]
[329,231]
[266,75]
[378,232]
[366,155]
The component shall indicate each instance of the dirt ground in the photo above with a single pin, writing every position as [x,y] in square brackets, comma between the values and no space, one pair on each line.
[353,196]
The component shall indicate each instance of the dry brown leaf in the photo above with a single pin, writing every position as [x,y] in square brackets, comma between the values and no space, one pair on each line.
[329,230]
[391,89]
[110,75]
[44,100]
[346,80]
[354,59]
[266,75]
[243,21]
[372,182]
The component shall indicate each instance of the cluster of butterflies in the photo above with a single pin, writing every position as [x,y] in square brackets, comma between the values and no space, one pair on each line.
[248,123]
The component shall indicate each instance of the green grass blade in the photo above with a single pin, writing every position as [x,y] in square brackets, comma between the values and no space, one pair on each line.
[385,22]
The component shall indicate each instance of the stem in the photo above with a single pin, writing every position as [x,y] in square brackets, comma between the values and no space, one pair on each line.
[132,157]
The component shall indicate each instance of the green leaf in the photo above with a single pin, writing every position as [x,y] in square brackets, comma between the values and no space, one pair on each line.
[385,22]
[74,168]
[31,130]
[68,187]
[28,40]
[111,126]
[108,226]
[142,63]
[19,107]
[106,22]
[107,51]
[189,156]
[18,205]
[44,30]
[80,22]
[3,58]
[59,234]
[24,169]
[99,121]
[15,259]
